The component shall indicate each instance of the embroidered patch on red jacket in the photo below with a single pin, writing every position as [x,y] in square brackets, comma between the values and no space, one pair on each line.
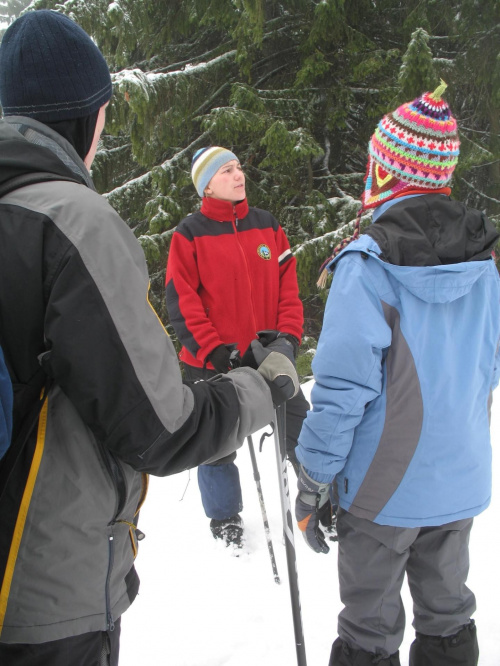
[264,252]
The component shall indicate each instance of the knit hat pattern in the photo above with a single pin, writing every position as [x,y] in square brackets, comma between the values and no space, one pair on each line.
[415,146]
[50,69]
[205,164]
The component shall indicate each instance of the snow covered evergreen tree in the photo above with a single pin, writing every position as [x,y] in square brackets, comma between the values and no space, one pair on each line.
[477,98]
[295,89]
[9,10]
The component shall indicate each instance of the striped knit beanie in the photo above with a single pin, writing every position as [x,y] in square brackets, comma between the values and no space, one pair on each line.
[51,70]
[414,147]
[206,162]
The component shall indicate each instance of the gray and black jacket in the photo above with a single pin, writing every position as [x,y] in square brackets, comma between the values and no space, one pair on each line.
[75,317]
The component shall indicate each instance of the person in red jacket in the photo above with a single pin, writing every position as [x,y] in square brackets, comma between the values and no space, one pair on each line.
[230,274]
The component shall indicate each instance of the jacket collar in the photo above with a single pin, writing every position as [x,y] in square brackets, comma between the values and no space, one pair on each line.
[432,230]
[26,157]
[43,136]
[224,211]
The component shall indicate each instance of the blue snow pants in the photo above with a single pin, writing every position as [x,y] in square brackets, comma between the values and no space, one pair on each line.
[219,482]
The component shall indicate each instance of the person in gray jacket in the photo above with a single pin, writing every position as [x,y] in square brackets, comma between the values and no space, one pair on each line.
[99,400]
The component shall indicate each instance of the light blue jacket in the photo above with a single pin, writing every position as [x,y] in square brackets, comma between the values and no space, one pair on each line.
[405,367]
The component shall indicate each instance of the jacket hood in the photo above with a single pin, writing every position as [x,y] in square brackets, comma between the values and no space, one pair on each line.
[431,230]
[425,251]
[432,284]
[31,152]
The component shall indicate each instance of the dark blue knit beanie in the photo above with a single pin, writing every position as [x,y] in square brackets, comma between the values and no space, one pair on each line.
[50,69]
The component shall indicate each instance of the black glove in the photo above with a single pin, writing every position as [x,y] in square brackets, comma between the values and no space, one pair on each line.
[275,363]
[220,359]
[327,516]
[294,342]
[312,497]
[265,337]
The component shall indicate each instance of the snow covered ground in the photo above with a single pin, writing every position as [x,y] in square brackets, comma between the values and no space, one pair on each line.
[201,606]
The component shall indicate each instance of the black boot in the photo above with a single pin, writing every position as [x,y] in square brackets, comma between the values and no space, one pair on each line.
[230,530]
[343,655]
[461,649]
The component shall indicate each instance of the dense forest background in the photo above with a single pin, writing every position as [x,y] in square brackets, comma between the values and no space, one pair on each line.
[295,88]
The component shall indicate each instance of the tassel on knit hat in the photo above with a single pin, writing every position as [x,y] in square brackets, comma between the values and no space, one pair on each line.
[414,150]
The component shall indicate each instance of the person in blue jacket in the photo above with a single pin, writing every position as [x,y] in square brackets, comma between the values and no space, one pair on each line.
[406,364]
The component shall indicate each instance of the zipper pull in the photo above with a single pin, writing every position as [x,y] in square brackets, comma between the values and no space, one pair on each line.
[235,216]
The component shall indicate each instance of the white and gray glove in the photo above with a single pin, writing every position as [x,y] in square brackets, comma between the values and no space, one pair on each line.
[274,359]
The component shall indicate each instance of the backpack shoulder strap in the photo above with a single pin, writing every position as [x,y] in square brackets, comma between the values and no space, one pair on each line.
[6,405]
[13,449]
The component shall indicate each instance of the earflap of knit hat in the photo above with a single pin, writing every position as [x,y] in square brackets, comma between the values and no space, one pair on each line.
[380,185]
[205,164]
[50,69]
[417,144]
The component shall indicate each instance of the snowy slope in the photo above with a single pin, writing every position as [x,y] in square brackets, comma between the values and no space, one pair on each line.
[201,606]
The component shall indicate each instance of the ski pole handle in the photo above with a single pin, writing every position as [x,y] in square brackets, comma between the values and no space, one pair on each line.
[234,356]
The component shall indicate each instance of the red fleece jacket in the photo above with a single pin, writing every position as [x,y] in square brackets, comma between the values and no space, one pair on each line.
[230,273]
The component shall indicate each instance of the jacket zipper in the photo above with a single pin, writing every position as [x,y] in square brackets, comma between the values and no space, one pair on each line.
[118,480]
[244,258]
[111,553]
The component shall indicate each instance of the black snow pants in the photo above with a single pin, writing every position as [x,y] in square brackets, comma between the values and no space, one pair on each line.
[458,650]
[97,648]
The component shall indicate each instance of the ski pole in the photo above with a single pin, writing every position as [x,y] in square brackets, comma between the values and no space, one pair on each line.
[235,362]
[267,531]
[279,438]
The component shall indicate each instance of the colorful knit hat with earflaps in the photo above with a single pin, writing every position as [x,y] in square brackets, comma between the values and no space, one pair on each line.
[414,150]
[414,147]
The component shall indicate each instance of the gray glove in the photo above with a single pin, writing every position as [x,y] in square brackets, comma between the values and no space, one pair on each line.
[312,496]
[275,362]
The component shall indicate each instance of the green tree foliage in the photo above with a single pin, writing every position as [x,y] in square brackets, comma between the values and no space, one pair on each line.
[9,10]
[417,71]
[295,88]
[477,95]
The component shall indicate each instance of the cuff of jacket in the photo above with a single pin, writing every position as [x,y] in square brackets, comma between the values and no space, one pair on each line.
[318,477]
[310,490]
